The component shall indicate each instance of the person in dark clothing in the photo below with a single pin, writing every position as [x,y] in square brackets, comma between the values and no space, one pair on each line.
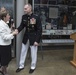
[31,38]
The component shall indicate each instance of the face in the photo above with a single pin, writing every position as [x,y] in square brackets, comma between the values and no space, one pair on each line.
[7,18]
[27,9]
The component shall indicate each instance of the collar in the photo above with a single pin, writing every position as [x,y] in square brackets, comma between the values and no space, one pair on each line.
[4,23]
[30,15]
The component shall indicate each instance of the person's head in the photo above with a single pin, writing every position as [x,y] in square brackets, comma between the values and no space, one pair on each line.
[4,15]
[28,9]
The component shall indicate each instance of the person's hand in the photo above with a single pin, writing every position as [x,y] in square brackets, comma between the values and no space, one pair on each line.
[36,44]
[15,32]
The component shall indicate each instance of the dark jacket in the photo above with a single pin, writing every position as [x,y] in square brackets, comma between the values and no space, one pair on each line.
[33,28]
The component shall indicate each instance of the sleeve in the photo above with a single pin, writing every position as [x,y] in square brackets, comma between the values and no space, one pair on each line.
[39,30]
[21,25]
[5,35]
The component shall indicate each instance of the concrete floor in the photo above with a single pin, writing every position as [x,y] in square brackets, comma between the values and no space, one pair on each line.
[55,62]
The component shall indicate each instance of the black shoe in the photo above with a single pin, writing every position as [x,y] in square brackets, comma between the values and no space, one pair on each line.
[31,70]
[19,69]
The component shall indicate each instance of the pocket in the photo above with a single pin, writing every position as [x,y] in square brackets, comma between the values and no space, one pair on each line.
[24,21]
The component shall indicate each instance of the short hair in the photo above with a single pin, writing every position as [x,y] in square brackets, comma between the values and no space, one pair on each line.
[29,5]
[3,14]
